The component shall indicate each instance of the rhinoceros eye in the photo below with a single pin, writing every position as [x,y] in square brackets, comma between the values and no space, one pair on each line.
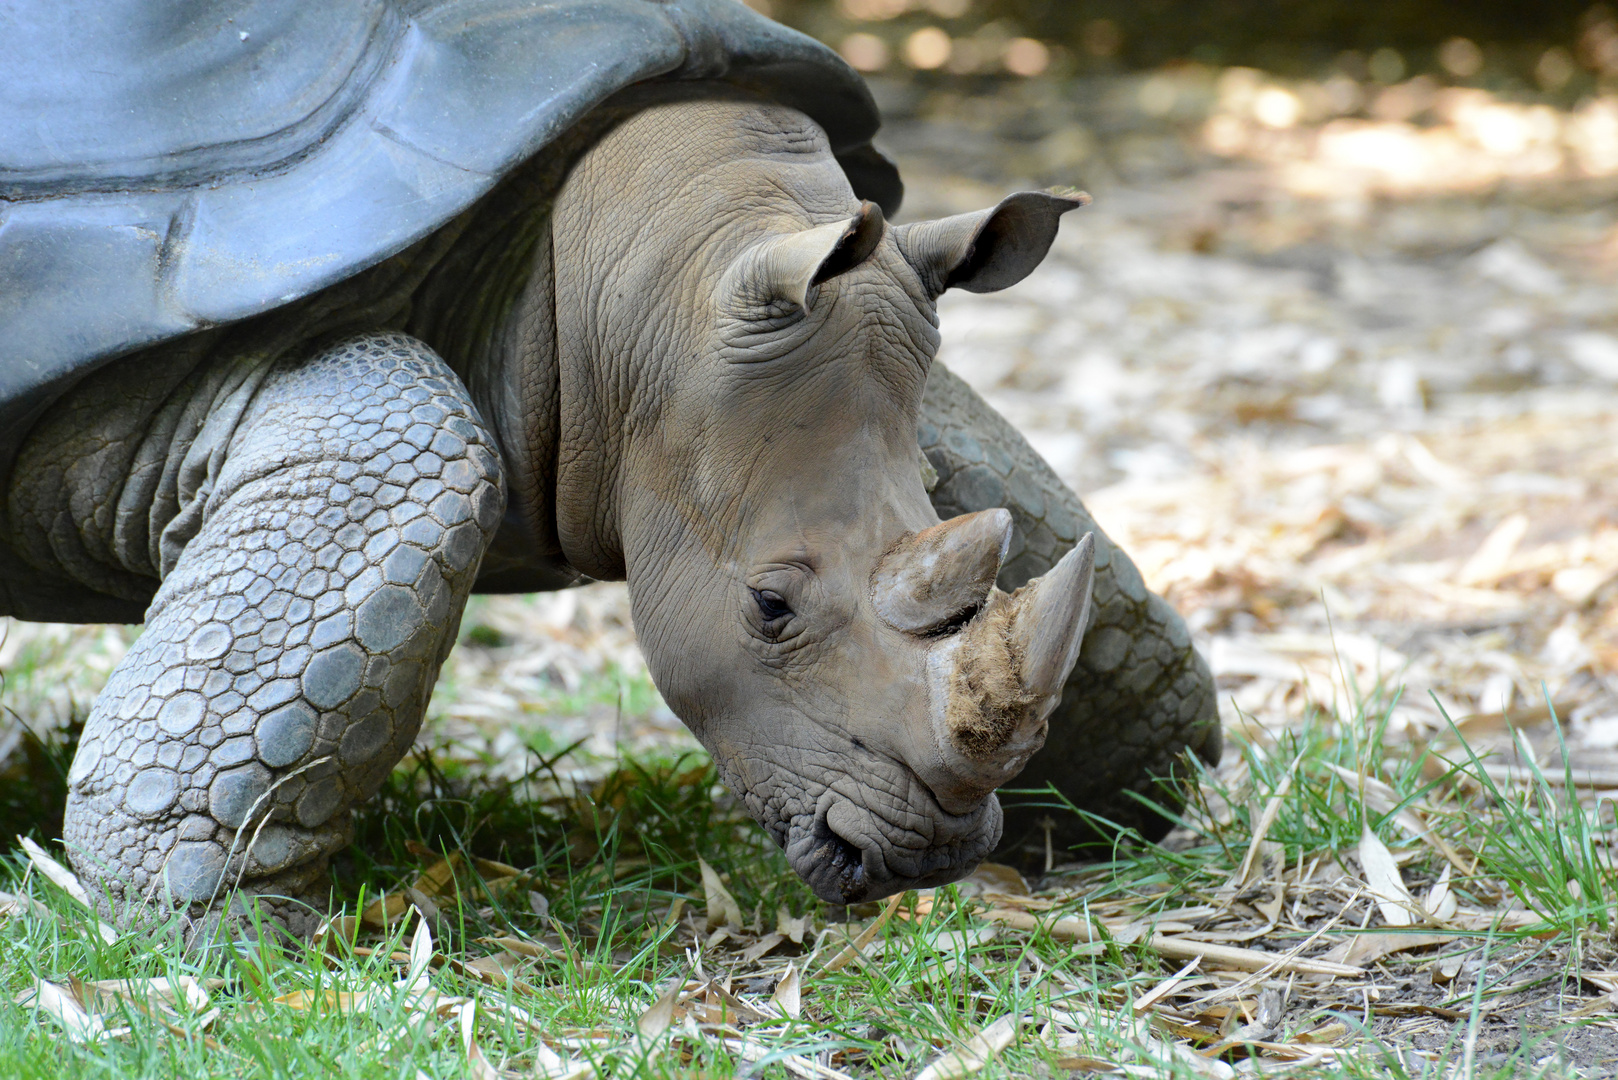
[770,605]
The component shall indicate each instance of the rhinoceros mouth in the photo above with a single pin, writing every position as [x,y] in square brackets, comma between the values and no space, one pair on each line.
[835,867]
[873,859]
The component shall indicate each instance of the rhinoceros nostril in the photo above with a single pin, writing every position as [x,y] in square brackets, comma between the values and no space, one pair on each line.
[955,623]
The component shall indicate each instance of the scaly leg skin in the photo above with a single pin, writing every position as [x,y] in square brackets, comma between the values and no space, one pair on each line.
[289,655]
[1140,694]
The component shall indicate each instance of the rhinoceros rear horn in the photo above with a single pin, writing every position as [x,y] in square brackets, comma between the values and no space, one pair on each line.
[790,267]
[987,250]
[938,578]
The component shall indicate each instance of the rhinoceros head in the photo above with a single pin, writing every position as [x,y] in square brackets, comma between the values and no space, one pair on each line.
[845,656]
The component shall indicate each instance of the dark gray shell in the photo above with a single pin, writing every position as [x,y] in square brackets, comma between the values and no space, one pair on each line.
[170,165]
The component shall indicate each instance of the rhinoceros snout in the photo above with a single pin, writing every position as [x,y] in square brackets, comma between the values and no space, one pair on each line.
[849,854]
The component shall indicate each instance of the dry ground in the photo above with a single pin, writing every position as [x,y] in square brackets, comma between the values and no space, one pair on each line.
[1346,390]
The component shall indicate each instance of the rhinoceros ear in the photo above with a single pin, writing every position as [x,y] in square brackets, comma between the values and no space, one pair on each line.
[990,249]
[790,267]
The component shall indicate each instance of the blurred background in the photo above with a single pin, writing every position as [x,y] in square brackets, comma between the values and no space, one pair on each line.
[1500,43]
[1333,355]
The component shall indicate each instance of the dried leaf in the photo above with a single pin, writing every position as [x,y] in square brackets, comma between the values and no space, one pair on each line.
[1261,828]
[956,940]
[1474,919]
[992,877]
[477,1066]
[1368,948]
[796,1061]
[1446,968]
[496,970]
[1381,798]
[385,910]
[792,928]
[164,992]
[1165,988]
[855,947]
[66,880]
[751,954]
[722,907]
[438,878]
[979,1050]
[422,903]
[468,1017]
[723,1007]
[787,996]
[1328,1032]
[421,952]
[1082,1064]
[1383,882]
[338,928]
[347,1001]
[60,1005]
[676,909]
[656,1020]
[1440,902]
[1176,947]
[549,1065]
[523,947]
[58,874]
[14,904]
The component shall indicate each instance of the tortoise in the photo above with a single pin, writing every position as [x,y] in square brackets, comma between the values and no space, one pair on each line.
[318,318]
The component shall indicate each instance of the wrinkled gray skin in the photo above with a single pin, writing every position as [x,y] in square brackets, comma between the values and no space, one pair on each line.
[702,371]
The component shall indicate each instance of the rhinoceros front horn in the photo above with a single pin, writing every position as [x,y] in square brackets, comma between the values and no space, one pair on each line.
[993,684]
[1050,615]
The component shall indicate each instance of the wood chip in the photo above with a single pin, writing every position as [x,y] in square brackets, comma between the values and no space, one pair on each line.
[1175,947]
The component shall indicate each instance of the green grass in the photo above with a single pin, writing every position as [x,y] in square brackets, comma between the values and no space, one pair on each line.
[610,905]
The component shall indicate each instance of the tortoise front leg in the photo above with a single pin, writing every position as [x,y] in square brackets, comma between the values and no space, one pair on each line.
[1140,693]
[289,655]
